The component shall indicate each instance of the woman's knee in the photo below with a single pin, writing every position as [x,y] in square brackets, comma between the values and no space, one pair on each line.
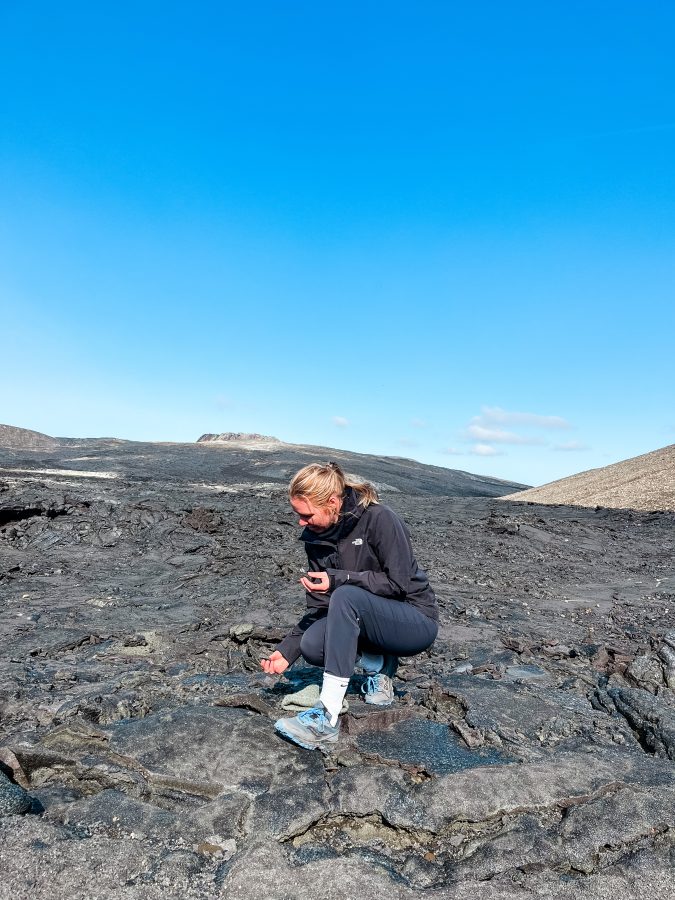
[346,595]
[311,649]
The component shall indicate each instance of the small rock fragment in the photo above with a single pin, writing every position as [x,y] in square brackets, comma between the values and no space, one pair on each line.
[645,672]
[8,758]
[209,849]
[560,650]
[472,737]
[14,800]
[462,669]
[667,656]
[512,642]
[241,633]
[600,660]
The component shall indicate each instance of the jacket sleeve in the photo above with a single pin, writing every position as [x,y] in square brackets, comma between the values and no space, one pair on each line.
[289,647]
[391,545]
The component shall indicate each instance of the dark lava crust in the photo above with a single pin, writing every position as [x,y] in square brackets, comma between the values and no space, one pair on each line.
[530,753]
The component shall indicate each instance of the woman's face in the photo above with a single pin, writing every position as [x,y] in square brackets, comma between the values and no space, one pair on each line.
[316,518]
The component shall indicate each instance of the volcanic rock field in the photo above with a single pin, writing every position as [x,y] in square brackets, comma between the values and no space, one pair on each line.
[530,752]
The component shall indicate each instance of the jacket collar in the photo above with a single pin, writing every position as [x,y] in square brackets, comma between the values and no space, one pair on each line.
[350,514]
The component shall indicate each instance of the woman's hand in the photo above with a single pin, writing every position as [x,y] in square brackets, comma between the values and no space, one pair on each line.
[316,582]
[275,665]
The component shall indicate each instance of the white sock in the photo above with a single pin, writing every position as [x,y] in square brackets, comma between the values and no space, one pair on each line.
[333,692]
[371,663]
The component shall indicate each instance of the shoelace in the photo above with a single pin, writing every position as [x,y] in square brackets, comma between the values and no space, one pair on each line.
[314,717]
[372,684]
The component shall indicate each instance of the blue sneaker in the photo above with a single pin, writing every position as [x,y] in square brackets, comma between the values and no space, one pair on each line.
[310,729]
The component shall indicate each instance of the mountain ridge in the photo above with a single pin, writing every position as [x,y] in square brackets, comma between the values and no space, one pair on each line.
[246,460]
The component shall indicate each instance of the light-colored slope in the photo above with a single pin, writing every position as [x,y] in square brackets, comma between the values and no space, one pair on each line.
[24,439]
[644,482]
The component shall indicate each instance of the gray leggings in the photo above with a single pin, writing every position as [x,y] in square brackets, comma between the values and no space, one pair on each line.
[360,621]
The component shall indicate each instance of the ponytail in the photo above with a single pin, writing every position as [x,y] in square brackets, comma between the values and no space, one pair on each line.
[317,483]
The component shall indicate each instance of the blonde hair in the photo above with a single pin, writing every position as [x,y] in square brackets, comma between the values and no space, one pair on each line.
[318,482]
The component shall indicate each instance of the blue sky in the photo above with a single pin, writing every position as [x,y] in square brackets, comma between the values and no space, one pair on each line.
[439,230]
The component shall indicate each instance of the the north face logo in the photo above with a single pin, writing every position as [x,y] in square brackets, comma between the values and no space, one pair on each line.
[357,542]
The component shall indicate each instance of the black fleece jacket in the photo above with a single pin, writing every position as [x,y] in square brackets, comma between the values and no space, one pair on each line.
[370,548]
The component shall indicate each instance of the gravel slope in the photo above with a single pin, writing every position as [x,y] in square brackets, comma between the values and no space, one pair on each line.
[644,482]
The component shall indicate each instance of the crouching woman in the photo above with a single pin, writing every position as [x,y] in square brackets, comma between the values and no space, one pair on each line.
[368,601]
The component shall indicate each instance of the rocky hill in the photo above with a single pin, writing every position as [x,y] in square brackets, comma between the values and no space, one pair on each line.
[644,482]
[245,458]
[13,438]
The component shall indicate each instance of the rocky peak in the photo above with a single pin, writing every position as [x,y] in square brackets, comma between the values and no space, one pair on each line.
[240,437]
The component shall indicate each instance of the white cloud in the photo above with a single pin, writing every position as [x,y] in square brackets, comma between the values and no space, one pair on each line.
[498,436]
[418,423]
[340,421]
[570,446]
[453,451]
[487,430]
[485,450]
[495,415]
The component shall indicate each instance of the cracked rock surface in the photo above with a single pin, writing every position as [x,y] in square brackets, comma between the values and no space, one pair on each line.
[530,753]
